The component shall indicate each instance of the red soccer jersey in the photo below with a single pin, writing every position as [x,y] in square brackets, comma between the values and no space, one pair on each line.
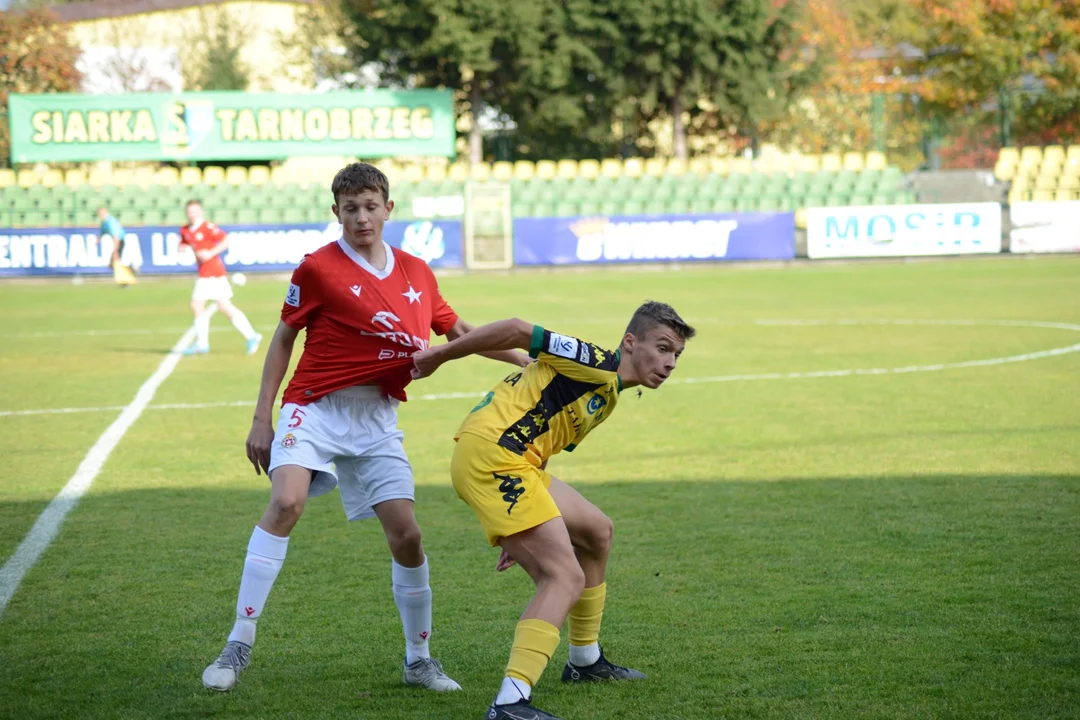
[363,325]
[205,237]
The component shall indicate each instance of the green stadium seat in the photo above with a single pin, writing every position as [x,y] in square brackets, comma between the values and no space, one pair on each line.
[679,206]
[860,200]
[589,208]
[566,209]
[609,208]
[835,200]
[632,207]
[656,206]
[543,209]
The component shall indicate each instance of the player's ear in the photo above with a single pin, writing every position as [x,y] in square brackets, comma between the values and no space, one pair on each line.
[337,213]
[389,206]
[628,342]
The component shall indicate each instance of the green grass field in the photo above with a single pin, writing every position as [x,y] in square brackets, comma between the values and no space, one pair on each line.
[893,544]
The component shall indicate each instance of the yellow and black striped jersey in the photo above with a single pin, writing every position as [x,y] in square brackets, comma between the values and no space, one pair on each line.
[552,404]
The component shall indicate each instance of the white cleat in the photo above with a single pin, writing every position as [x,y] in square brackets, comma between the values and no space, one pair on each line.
[222,674]
[428,673]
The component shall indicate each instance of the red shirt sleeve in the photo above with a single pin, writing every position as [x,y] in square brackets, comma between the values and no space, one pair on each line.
[216,234]
[443,316]
[185,236]
[304,296]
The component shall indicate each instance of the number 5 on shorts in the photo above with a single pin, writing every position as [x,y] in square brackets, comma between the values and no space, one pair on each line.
[297,417]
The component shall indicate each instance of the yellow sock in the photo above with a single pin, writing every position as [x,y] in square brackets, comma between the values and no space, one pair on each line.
[585,616]
[534,643]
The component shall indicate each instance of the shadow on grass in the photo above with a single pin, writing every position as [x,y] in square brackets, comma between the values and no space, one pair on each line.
[898,597]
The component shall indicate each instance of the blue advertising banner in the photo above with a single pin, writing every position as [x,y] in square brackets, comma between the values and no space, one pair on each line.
[662,238]
[252,248]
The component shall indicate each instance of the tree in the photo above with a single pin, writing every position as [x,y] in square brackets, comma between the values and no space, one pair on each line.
[213,56]
[990,56]
[36,56]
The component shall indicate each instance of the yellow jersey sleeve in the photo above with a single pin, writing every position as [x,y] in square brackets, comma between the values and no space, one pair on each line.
[574,358]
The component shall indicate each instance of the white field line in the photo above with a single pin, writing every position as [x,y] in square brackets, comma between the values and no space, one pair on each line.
[1053,352]
[48,523]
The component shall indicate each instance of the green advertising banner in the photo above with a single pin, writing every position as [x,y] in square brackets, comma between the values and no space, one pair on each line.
[62,127]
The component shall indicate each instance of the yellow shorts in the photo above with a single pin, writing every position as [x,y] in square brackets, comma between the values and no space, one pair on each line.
[507,494]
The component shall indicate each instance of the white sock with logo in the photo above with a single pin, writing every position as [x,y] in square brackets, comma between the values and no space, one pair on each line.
[512,691]
[412,595]
[265,556]
[240,322]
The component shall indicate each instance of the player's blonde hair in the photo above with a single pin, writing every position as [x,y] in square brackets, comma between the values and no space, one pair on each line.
[358,177]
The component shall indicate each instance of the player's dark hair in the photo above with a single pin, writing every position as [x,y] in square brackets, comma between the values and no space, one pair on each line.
[358,177]
[191,202]
[652,314]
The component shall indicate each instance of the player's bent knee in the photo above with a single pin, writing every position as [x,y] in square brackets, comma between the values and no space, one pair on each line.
[572,581]
[287,507]
[405,541]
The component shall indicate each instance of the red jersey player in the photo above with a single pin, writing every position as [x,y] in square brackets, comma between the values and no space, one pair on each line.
[208,241]
[366,308]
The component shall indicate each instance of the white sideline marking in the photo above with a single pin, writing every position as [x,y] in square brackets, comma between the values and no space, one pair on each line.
[1053,352]
[48,523]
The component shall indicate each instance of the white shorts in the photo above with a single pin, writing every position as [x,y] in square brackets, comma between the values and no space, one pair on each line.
[212,288]
[348,439]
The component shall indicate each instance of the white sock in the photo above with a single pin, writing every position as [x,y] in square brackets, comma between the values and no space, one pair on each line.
[202,330]
[265,556]
[584,655]
[412,595]
[240,322]
[513,690]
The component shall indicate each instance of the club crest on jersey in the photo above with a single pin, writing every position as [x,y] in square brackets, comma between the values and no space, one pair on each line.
[288,441]
[595,403]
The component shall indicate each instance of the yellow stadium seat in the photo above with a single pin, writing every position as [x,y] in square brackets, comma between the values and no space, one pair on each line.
[258,174]
[1016,195]
[165,176]
[122,176]
[52,178]
[719,165]
[1004,172]
[1054,153]
[1042,196]
[1045,182]
[810,163]
[1021,181]
[783,163]
[75,178]
[279,175]
[800,218]
[480,172]
[193,175]
[98,177]
[740,166]
[546,170]
[412,173]
[1009,155]
[502,171]
[436,173]
[633,167]
[675,167]
[611,168]
[854,161]
[7,177]
[236,175]
[524,170]
[654,167]
[567,169]
[589,169]
[28,178]
[1031,155]
[832,162]
[875,160]
[459,172]
[213,175]
[698,166]
[1064,195]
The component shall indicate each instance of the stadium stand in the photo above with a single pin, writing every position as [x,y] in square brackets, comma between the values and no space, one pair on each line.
[1045,174]
[635,186]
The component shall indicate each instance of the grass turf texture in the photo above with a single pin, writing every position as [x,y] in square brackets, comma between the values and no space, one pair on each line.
[901,545]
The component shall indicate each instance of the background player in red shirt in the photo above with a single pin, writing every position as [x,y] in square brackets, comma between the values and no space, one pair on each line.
[366,308]
[209,242]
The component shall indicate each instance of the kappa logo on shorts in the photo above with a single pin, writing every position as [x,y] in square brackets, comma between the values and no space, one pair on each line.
[511,489]
[288,441]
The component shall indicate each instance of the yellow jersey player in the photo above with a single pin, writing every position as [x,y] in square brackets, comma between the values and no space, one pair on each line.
[559,538]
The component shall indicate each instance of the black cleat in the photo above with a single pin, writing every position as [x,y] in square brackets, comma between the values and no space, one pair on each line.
[521,710]
[599,670]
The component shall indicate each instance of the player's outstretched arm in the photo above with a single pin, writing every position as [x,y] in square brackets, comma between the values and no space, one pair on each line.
[274,368]
[493,337]
[514,357]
